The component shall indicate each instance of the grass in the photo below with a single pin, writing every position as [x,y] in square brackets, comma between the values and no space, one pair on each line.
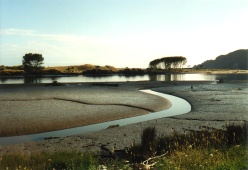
[210,149]
[50,161]
[234,157]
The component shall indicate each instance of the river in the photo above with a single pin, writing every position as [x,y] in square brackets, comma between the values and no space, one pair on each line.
[121,78]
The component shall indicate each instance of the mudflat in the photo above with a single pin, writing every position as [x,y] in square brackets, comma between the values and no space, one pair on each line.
[214,105]
[29,109]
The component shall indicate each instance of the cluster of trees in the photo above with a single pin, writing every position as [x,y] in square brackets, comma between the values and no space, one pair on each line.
[168,62]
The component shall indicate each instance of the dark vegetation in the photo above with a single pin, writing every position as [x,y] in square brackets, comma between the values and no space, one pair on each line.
[168,62]
[32,63]
[235,60]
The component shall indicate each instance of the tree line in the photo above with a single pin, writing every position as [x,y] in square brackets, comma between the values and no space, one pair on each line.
[168,62]
[32,64]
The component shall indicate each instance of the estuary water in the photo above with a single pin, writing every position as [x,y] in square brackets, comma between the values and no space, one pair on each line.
[122,78]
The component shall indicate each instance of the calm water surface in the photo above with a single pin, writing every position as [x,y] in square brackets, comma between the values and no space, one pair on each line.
[118,78]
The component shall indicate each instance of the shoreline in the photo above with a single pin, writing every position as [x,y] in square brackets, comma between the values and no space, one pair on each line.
[18,74]
[213,106]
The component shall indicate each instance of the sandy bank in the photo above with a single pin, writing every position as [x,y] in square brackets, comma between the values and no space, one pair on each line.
[36,108]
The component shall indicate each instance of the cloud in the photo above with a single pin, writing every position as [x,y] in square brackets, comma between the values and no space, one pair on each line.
[33,33]
[56,48]
[121,51]
[19,32]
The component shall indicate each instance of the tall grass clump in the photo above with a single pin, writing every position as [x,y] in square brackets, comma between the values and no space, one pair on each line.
[146,149]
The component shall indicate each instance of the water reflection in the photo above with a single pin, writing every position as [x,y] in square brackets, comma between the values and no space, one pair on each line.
[182,77]
[123,78]
[3,80]
[160,77]
[32,80]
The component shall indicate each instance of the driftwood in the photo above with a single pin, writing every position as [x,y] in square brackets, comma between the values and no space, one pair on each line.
[145,165]
[149,163]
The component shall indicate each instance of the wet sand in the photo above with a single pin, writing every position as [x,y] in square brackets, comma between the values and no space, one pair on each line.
[38,108]
[214,105]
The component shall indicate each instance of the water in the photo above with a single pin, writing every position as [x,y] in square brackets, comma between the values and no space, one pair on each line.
[120,78]
[179,106]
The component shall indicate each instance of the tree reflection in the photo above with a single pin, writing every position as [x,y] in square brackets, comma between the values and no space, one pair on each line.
[3,80]
[32,80]
[160,77]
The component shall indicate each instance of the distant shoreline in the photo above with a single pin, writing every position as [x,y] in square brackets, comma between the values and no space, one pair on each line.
[128,72]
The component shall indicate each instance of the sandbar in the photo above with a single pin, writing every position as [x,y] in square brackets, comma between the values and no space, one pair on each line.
[30,109]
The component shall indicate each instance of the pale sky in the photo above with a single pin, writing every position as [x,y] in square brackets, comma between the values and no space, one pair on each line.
[121,33]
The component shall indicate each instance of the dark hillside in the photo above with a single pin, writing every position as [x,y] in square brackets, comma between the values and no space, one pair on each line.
[234,60]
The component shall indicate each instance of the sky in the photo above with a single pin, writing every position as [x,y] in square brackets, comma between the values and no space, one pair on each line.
[121,33]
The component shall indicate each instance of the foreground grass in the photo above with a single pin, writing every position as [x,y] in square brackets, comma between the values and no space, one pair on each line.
[234,158]
[214,150]
[225,158]
[42,161]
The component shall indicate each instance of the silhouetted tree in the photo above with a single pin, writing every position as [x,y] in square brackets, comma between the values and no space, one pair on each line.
[32,63]
[168,62]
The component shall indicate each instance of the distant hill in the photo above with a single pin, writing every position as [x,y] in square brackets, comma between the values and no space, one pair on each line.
[234,60]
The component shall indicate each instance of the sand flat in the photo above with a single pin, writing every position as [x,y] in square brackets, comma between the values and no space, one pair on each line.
[36,108]
[203,97]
